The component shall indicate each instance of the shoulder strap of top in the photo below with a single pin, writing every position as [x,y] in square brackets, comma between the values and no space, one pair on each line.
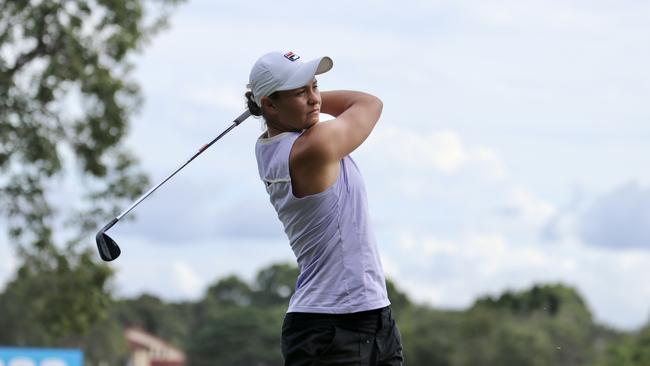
[273,157]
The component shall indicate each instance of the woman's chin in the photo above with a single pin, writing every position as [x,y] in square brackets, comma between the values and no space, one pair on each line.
[311,123]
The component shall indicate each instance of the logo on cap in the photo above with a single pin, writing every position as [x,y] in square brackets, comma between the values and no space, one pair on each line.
[291,56]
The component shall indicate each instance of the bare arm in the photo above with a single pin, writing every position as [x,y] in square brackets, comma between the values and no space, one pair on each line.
[316,156]
[356,114]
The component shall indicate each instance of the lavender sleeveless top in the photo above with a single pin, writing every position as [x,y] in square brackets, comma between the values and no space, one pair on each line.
[329,233]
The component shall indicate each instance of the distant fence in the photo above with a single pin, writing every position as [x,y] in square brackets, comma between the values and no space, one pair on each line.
[16,356]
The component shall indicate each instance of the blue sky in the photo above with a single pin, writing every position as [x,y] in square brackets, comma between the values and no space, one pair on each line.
[512,149]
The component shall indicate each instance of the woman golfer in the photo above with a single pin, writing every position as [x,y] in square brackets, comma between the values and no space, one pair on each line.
[339,313]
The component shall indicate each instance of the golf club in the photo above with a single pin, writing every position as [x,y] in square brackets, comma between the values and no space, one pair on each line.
[108,248]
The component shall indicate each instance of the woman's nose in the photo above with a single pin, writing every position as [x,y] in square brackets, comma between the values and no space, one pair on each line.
[314,97]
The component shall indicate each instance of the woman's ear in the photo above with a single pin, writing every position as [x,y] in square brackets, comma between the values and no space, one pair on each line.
[267,104]
[269,109]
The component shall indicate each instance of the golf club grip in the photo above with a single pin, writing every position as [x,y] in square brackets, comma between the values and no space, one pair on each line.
[242,117]
[235,123]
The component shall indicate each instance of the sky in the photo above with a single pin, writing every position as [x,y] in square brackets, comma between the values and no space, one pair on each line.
[512,149]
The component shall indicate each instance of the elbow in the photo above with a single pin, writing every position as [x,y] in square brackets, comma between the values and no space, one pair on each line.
[379,106]
[373,103]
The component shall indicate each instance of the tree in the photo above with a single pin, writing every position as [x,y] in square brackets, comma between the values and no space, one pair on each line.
[48,305]
[643,346]
[237,336]
[552,322]
[275,284]
[399,301]
[168,321]
[238,324]
[229,291]
[429,336]
[628,349]
[65,101]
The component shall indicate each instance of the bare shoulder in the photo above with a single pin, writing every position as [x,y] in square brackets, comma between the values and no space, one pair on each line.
[312,164]
[317,144]
[316,154]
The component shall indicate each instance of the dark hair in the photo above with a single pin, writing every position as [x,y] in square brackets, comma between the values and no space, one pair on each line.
[252,106]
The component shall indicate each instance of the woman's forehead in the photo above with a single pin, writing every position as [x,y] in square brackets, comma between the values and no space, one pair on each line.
[312,82]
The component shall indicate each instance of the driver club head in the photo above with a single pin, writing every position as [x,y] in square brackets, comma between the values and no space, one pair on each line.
[108,249]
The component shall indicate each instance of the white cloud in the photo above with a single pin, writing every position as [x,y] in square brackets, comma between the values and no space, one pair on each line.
[184,270]
[591,17]
[487,255]
[452,274]
[443,183]
[429,246]
[186,281]
[531,209]
[218,97]
[439,151]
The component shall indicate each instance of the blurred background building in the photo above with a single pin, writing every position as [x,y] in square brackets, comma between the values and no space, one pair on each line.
[149,350]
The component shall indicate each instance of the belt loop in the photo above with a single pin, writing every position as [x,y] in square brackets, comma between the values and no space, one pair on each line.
[380,322]
[385,312]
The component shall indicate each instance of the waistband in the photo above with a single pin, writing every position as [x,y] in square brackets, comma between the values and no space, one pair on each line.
[370,320]
[357,315]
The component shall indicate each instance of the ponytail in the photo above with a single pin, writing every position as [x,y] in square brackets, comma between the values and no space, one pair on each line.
[252,106]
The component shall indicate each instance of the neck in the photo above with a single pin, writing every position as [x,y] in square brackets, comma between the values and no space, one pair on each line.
[273,129]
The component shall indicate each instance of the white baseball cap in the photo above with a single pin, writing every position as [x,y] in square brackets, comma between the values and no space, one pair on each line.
[277,71]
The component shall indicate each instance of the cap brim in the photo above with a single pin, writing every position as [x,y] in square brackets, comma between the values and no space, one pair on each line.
[306,73]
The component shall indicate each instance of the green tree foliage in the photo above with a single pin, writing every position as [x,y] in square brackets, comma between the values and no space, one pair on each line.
[65,87]
[238,336]
[628,349]
[168,321]
[429,336]
[104,344]
[66,95]
[552,322]
[275,285]
[643,346]
[239,323]
[398,299]
[229,291]
[50,303]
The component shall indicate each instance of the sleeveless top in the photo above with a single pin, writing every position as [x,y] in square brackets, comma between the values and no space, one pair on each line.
[329,233]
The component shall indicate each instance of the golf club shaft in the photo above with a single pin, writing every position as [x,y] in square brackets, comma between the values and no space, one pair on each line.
[235,123]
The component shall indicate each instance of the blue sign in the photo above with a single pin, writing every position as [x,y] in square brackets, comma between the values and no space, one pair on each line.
[15,356]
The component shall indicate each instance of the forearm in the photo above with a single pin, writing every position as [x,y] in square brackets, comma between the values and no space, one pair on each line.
[356,114]
[336,102]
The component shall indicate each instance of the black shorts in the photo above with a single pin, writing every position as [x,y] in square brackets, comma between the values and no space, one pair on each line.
[365,338]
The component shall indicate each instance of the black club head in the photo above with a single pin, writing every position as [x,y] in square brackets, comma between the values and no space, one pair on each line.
[108,249]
